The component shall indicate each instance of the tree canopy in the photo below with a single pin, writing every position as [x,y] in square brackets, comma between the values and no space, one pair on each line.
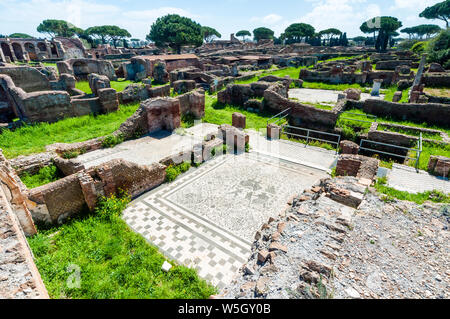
[386,28]
[209,34]
[243,34]
[330,32]
[99,32]
[59,28]
[175,31]
[263,33]
[421,30]
[21,35]
[296,32]
[439,11]
[112,33]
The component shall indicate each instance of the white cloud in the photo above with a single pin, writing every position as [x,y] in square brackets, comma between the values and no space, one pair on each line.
[416,5]
[25,16]
[268,19]
[155,13]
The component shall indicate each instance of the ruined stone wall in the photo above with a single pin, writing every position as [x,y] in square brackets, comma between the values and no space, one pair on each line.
[162,114]
[51,106]
[27,78]
[357,165]
[57,201]
[19,277]
[193,103]
[431,113]
[81,68]
[436,80]
[391,64]
[301,114]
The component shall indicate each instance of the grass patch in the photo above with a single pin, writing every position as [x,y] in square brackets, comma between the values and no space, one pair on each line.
[112,140]
[113,261]
[173,171]
[391,193]
[45,175]
[429,149]
[118,85]
[334,87]
[222,114]
[390,91]
[409,131]
[320,144]
[31,139]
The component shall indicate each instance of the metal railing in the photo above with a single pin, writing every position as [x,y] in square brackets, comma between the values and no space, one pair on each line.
[308,135]
[418,150]
[281,116]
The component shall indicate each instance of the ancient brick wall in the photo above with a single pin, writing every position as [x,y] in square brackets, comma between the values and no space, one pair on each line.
[57,201]
[162,114]
[431,113]
[300,114]
[436,80]
[27,78]
[81,68]
[357,165]
[193,103]
[19,277]
[391,64]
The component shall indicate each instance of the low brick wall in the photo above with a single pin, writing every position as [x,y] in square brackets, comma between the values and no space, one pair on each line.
[193,103]
[302,114]
[439,165]
[431,113]
[357,165]
[57,201]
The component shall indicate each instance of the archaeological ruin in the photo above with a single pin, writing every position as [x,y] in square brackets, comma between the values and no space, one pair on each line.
[272,168]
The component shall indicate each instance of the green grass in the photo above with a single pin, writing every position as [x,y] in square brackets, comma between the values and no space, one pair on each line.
[315,143]
[419,198]
[410,131]
[119,85]
[173,171]
[292,72]
[222,114]
[334,87]
[45,175]
[31,139]
[113,261]
[351,129]
[390,91]
[429,149]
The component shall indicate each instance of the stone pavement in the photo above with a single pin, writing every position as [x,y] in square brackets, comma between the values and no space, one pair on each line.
[152,148]
[325,96]
[311,156]
[207,218]
[405,178]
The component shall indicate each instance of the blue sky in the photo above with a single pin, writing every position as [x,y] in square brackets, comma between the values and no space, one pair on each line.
[227,16]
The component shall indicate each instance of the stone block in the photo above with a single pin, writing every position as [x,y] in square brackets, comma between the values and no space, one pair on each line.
[439,165]
[273,131]
[239,120]
[349,147]
[397,96]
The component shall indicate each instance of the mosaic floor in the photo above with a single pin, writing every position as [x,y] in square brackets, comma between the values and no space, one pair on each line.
[206,219]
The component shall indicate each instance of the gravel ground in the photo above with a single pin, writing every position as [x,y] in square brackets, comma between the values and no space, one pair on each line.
[321,248]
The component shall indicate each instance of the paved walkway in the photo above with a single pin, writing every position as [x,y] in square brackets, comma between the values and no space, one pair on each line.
[207,218]
[323,96]
[311,156]
[151,148]
[405,178]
